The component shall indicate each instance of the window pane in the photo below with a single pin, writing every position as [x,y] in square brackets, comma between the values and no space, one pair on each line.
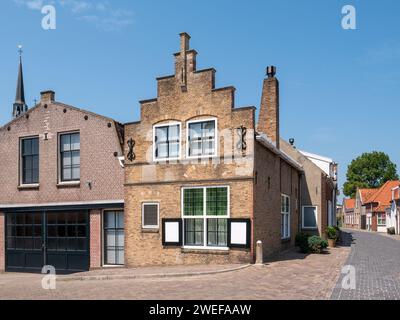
[162,150]
[120,220]
[217,232]
[150,215]
[194,232]
[174,150]
[76,173]
[65,142]
[193,202]
[310,217]
[110,220]
[27,147]
[75,141]
[67,174]
[161,134]
[76,158]
[173,133]
[217,201]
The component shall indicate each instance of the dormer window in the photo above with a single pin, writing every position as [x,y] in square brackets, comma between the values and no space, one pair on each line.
[202,139]
[167,141]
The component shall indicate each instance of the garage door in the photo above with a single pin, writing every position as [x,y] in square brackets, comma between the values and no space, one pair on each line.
[59,239]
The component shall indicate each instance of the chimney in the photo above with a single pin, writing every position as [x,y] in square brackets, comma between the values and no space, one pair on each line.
[47,96]
[185,60]
[268,119]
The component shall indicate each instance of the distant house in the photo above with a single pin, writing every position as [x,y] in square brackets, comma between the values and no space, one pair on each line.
[393,214]
[376,206]
[348,212]
[362,197]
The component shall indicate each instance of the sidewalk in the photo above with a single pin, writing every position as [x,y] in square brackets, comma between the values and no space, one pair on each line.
[151,272]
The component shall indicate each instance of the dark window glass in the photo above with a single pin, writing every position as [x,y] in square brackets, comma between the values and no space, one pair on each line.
[70,156]
[150,215]
[194,232]
[30,160]
[113,237]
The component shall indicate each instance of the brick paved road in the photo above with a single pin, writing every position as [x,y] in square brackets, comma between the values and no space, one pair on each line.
[291,276]
[376,259]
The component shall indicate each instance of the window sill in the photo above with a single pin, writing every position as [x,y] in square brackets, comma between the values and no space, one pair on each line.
[309,229]
[75,184]
[149,230]
[218,251]
[28,187]
[286,240]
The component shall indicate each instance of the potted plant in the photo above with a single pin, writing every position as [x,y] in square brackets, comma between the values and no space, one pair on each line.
[332,235]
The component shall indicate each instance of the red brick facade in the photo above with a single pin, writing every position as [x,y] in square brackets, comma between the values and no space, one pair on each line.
[95,239]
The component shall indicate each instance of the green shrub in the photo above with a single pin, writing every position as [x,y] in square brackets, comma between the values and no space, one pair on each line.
[302,242]
[332,233]
[391,230]
[317,244]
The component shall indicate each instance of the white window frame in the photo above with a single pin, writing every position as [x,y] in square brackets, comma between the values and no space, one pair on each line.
[204,217]
[158,215]
[21,173]
[167,124]
[216,138]
[283,236]
[377,219]
[302,218]
[60,181]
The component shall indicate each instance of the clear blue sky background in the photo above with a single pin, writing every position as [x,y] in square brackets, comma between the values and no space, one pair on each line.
[339,88]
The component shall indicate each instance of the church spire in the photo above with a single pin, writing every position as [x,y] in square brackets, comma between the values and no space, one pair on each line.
[20,106]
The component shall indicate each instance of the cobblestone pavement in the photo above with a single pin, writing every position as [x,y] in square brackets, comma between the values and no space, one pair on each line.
[376,259]
[290,276]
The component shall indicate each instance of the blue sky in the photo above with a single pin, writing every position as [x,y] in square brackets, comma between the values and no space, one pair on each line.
[339,88]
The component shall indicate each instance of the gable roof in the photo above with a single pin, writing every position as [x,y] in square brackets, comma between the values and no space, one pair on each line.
[349,203]
[366,194]
[383,195]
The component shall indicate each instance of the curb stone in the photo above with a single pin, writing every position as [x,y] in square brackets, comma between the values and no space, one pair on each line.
[147,276]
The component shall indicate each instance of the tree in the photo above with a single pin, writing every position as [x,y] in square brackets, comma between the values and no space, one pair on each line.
[370,170]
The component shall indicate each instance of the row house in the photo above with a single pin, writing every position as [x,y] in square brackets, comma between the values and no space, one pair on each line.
[195,180]
[319,189]
[61,187]
[376,207]
[205,182]
[393,214]
[348,213]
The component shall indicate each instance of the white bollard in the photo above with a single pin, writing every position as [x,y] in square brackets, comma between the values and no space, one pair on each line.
[259,253]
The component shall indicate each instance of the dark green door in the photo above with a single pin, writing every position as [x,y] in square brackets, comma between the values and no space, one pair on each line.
[56,238]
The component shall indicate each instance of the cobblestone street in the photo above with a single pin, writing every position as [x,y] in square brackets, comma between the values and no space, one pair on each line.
[376,259]
[290,276]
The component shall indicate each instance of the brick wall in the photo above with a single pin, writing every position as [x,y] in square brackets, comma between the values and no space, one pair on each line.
[95,239]
[2,243]
[99,142]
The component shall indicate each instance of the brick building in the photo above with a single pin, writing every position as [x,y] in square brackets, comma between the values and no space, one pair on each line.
[203,183]
[318,189]
[61,179]
[348,212]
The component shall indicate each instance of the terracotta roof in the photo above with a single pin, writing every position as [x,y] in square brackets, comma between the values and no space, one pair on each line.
[366,194]
[349,203]
[383,196]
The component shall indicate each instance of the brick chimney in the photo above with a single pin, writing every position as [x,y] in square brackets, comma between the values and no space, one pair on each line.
[268,119]
[47,96]
[185,59]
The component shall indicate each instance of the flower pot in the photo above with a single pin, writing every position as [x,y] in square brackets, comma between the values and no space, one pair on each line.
[332,243]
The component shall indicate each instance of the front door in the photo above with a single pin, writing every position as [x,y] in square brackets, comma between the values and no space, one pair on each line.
[114,238]
[58,239]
